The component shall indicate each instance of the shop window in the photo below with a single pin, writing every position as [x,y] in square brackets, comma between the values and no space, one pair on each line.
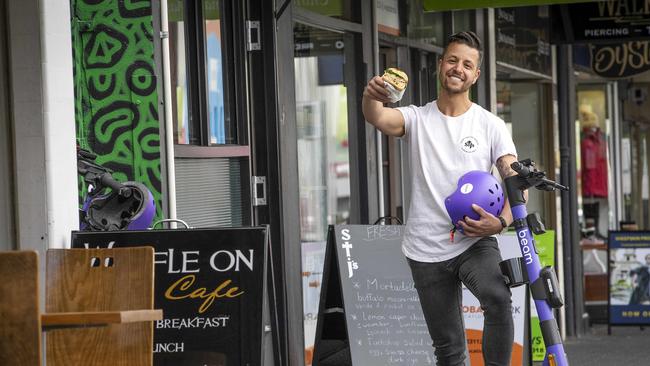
[462,21]
[592,163]
[521,105]
[214,73]
[388,16]
[201,59]
[523,38]
[425,26]
[635,158]
[178,72]
[342,9]
[211,156]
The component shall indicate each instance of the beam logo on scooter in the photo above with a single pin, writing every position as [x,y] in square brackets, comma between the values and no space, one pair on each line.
[525,247]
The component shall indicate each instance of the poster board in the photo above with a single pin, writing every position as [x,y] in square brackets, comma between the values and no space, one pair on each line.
[473,315]
[210,285]
[369,312]
[629,278]
[545,245]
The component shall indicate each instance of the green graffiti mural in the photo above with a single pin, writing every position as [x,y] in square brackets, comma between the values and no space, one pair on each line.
[116,101]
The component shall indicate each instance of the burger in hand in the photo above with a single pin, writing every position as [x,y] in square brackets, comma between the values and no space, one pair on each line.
[395,81]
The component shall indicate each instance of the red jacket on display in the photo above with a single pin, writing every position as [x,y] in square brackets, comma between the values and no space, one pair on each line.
[593,149]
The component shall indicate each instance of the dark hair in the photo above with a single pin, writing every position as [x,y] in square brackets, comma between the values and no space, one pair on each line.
[470,39]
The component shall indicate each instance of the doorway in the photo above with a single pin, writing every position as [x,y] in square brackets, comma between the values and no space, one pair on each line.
[327,120]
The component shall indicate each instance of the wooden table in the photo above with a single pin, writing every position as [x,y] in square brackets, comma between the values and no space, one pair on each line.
[97,318]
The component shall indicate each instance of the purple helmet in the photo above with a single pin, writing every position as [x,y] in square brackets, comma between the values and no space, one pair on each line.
[113,212]
[475,187]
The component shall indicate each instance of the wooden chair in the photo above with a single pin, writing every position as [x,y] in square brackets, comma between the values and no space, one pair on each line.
[99,307]
[109,286]
[20,323]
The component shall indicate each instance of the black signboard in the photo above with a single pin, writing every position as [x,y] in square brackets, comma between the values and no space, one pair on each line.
[601,21]
[621,59]
[210,284]
[369,310]
[523,38]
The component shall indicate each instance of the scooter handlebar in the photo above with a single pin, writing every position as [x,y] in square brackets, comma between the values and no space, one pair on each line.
[535,178]
[107,180]
[85,154]
[522,170]
[555,185]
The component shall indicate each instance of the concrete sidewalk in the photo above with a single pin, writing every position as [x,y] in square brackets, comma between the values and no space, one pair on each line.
[626,346]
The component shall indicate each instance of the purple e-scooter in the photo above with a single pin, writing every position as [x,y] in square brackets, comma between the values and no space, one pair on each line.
[543,282]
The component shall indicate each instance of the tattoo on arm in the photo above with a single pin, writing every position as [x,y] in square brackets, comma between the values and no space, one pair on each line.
[503,165]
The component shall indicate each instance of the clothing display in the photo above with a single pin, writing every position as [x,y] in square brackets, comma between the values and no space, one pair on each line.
[593,149]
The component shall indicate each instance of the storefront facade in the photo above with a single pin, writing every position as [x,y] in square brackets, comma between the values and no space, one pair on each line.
[610,74]
[518,83]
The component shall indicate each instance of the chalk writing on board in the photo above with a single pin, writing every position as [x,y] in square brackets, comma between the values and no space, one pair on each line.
[383,317]
[386,323]
[384,232]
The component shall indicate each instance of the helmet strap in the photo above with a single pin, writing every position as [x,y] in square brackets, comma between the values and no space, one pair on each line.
[452,232]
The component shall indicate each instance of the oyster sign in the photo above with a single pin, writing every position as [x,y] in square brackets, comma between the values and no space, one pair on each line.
[620,59]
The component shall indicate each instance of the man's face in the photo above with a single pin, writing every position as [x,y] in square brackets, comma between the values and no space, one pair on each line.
[647,259]
[458,68]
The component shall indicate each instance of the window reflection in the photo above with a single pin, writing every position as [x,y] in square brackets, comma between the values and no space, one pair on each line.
[519,104]
[425,26]
[178,72]
[341,9]
[322,122]
[323,160]
[199,95]
[591,163]
[214,72]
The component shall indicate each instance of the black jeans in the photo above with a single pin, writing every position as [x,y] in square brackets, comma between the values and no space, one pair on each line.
[440,292]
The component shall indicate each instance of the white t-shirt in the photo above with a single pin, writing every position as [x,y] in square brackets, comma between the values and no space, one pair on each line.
[441,149]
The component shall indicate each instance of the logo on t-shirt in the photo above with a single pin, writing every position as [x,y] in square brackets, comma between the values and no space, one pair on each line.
[469,144]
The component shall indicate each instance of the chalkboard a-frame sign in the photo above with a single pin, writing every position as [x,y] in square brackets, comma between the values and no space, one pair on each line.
[369,312]
[210,284]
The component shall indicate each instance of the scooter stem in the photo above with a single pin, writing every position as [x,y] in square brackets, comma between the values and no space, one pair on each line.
[515,186]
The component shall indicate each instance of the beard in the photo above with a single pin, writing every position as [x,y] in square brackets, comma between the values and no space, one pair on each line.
[455,88]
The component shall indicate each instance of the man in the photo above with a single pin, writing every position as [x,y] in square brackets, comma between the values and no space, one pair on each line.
[447,138]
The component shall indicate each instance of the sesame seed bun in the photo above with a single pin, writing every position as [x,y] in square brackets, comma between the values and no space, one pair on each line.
[396,77]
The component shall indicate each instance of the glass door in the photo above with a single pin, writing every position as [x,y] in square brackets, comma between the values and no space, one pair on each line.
[324,88]
[635,158]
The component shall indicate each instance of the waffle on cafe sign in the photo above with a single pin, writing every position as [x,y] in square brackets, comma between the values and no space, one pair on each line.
[618,60]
